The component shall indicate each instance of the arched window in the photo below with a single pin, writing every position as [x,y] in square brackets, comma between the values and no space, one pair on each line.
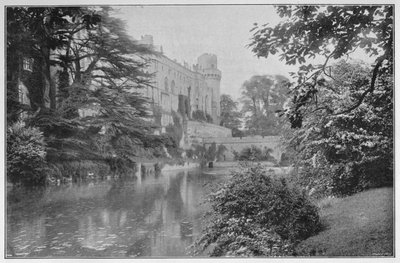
[166,84]
[173,86]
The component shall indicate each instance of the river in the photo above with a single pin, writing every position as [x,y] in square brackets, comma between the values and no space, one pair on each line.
[151,216]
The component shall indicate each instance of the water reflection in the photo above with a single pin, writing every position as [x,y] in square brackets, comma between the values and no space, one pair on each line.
[150,216]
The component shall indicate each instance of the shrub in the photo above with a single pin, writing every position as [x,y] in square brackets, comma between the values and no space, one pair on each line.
[26,155]
[255,214]
[350,178]
[190,153]
[80,169]
[209,119]
[255,154]
[237,133]
[199,115]
[317,181]
[343,179]
[175,131]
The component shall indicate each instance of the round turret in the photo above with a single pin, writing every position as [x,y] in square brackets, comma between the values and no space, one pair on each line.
[208,67]
[207,61]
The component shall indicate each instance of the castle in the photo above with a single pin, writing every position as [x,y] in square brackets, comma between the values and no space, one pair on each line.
[181,88]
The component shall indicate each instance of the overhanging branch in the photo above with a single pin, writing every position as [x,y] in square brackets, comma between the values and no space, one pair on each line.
[366,92]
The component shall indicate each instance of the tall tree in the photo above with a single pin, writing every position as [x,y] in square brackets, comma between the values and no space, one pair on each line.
[230,116]
[331,32]
[262,98]
[100,73]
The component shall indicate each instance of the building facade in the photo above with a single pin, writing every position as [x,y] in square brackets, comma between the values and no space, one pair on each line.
[183,88]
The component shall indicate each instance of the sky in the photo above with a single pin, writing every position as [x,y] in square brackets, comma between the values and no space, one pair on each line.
[186,32]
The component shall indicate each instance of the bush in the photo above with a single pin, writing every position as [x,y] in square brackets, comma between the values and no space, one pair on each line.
[26,155]
[84,169]
[316,181]
[209,119]
[343,179]
[175,131]
[254,214]
[255,154]
[199,115]
[237,133]
[350,178]
[190,153]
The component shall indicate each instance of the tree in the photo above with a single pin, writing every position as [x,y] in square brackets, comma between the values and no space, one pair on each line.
[230,116]
[262,97]
[357,146]
[32,33]
[331,32]
[100,71]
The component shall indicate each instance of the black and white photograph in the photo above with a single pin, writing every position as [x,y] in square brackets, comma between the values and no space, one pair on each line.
[196,130]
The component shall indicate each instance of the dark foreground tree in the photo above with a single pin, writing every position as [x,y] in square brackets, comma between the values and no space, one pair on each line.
[352,151]
[332,32]
[85,85]
[344,111]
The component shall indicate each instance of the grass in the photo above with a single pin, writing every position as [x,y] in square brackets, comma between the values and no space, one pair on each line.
[358,225]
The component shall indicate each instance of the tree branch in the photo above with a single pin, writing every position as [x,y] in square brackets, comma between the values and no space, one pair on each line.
[369,90]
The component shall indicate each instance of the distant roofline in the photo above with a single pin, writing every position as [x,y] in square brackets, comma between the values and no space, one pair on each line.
[177,63]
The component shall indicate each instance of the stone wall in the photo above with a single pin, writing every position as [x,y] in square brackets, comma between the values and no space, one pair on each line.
[237,144]
[197,131]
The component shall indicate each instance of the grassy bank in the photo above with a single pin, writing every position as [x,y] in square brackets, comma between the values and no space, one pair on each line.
[358,225]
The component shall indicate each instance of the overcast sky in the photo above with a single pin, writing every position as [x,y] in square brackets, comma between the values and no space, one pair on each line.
[185,32]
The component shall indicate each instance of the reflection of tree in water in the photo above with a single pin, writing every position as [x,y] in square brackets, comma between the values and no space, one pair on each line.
[123,195]
[174,198]
[141,247]
[121,214]
[23,200]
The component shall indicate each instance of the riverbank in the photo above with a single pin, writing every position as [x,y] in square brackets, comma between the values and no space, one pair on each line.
[358,225]
[271,166]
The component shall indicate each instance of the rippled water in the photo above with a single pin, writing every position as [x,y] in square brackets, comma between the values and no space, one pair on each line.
[153,216]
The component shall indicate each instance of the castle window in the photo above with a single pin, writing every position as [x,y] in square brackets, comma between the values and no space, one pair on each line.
[166,84]
[173,86]
[27,64]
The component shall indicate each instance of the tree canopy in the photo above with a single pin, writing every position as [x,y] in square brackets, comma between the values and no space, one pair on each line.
[332,32]
[357,145]
[262,98]
[230,116]
[86,79]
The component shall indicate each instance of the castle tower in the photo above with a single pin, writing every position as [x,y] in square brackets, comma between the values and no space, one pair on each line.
[208,67]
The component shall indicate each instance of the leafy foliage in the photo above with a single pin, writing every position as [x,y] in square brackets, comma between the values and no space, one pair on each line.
[237,133]
[98,71]
[230,116]
[263,97]
[175,130]
[198,115]
[26,155]
[256,215]
[331,32]
[255,154]
[201,116]
[357,146]
[209,118]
